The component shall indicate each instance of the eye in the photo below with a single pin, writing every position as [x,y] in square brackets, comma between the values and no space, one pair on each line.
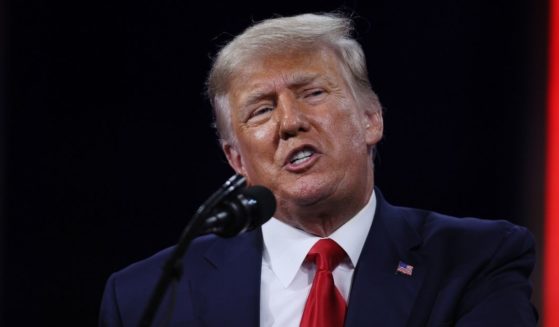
[260,113]
[315,94]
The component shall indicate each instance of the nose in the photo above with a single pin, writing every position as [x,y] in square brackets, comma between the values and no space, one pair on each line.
[292,119]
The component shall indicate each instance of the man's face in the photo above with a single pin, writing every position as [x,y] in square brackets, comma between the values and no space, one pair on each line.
[298,130]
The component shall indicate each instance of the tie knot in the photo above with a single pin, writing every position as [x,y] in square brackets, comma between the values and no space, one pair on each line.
[326,254]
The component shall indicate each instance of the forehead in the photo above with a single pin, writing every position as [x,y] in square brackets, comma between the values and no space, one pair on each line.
[268,73]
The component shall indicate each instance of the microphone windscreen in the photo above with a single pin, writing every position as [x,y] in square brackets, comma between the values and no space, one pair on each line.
[266,202]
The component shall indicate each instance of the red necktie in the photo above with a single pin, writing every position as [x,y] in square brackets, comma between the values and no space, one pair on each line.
[325,305]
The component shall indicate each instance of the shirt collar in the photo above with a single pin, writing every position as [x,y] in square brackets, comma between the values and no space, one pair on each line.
[285,247]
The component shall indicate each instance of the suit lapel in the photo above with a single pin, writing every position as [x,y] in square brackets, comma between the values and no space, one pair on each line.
[229,293]
[380,296]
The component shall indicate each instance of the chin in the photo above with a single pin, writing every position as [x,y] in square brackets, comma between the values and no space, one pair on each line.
[308,193]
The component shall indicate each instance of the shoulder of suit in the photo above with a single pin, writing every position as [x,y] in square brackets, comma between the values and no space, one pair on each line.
[152,265]
[436,224]
[467,237]
[430,225]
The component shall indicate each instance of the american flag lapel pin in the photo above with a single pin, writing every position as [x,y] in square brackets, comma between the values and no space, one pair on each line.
[404,268]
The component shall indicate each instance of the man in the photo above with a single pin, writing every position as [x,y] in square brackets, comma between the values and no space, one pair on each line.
[296,113]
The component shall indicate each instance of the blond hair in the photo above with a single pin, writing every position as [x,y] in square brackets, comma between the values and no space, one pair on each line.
[277,35]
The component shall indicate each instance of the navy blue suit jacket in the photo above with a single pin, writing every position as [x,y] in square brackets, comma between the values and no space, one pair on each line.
[467,272]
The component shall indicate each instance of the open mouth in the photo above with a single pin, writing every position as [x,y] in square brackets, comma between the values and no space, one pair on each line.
[301,156]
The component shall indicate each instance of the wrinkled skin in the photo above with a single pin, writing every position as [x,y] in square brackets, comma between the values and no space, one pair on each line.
[283,103]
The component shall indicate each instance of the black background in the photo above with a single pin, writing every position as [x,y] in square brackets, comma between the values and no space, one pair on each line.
[107,147]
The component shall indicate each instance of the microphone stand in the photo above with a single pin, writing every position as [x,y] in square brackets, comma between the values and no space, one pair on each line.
[172,269]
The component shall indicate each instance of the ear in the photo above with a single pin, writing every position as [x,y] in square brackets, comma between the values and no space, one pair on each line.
[234,158]
[373,126]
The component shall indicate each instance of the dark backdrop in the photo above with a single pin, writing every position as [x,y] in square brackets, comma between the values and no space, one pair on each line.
[108,150]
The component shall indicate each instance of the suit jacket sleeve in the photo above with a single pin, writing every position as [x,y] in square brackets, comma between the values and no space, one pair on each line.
[500,295]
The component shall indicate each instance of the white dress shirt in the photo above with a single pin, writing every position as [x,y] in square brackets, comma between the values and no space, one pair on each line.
[286,279]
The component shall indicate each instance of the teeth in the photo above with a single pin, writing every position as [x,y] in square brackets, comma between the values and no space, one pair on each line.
[301,156]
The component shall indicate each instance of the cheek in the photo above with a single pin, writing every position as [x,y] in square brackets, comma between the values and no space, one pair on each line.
[344,126]
[257,144]
[261,134]
[354,144]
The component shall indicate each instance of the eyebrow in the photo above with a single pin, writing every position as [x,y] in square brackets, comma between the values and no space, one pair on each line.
[296,80]
[256,95]
[303,79]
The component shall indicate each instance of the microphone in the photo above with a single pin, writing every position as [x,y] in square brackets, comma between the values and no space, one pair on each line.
[242,211]
[231,210]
